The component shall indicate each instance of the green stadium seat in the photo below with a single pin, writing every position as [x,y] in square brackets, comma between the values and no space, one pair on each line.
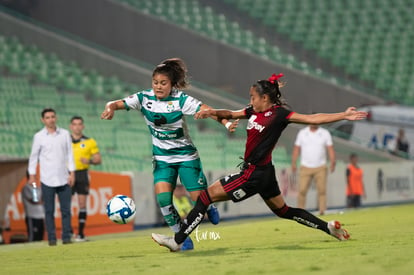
[346,33]
[190,14]
[41,79]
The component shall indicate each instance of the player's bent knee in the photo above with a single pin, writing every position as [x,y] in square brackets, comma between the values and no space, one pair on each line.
[217,193]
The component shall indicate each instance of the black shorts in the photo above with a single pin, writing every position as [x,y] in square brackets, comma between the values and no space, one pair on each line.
[353,201]
[81,185]
[250,181]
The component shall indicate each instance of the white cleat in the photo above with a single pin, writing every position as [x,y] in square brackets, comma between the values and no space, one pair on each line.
[166,241]
[336,230]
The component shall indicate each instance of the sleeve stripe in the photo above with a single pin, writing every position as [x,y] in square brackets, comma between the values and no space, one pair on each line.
[126,105]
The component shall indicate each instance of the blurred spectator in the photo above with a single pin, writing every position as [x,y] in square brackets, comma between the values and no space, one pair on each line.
[355,183]
[380,182]
[312,143]
[34,211]
[402,146]
[182,201]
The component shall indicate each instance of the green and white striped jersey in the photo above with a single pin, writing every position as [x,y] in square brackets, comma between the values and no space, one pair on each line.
[165,119]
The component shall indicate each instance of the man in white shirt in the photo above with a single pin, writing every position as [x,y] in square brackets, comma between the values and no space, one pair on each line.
[312,143]
[52,149]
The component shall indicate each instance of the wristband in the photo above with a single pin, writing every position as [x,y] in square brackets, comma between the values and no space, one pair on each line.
[228,124]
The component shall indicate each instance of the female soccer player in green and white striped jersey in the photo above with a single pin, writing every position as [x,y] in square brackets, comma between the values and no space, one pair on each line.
[164,107]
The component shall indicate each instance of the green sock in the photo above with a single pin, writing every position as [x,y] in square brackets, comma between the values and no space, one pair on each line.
[171,216]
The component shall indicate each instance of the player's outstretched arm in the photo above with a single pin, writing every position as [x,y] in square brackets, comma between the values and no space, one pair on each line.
[230,125]
[110,108]
[350,114]
[220,114]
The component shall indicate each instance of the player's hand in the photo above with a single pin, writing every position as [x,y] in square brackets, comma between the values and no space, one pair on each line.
[233,126]
[352,114]
[108,113]
[204,114]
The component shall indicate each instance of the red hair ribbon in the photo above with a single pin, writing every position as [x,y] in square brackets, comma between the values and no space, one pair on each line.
[274,78]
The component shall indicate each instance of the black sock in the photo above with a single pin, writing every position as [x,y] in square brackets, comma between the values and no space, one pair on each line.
[194,218]
[82,221]
[302,216]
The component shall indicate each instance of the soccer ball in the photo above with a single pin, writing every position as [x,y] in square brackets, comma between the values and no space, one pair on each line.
[121,209]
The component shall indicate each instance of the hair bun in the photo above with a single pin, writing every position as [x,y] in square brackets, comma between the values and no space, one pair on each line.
[274,78]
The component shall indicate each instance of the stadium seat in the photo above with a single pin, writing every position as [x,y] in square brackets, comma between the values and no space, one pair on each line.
[41,79]
[192,15]
[353,35]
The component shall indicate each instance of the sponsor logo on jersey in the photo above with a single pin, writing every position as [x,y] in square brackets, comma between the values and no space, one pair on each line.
[239,194]
[267,114]
[161,135]
[159,120]
[252,124]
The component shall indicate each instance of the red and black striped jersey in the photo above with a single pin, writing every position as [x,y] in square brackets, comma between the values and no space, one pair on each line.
[263,132]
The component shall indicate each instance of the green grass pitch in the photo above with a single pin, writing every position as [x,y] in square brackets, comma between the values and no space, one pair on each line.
[382,242]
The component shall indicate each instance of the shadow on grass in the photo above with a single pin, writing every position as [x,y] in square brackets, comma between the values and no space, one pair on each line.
[233,250]
[205,253]
[310,246]
[280,247]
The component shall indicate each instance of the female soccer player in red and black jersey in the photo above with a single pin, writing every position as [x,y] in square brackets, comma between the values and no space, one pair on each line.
[267,118]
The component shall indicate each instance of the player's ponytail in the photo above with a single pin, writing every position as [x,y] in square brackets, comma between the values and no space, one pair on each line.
[176,70]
